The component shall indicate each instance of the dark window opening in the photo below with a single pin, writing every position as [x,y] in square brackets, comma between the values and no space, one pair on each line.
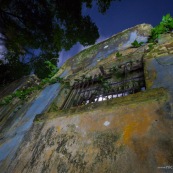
[111,83]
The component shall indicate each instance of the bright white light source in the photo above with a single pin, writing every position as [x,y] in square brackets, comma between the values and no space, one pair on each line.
[106,123]
[106,46]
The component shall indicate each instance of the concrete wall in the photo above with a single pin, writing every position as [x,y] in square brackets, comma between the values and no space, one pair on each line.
[16,121]
[159,68]
[90,58]
[131,134]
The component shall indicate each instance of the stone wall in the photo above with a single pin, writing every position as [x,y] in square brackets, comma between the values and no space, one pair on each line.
[131,134]
[159,67]
[122,135]
[91,57]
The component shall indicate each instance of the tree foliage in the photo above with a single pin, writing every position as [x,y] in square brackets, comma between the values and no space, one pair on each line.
[46,25]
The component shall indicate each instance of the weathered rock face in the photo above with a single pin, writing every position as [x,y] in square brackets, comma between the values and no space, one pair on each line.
[124,137]
[125,134]
[16,119]
[92,56]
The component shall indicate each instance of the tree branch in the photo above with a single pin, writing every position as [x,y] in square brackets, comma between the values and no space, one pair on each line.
[13,15]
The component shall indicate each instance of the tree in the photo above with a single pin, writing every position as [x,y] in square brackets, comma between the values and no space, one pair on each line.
[12,71]
[46,25]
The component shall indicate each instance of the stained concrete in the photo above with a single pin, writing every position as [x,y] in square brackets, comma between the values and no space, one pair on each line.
[11,136]
[90,57]
[133,134]
[131,137]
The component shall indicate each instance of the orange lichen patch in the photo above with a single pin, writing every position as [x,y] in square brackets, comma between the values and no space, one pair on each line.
[135,128]
[138,126]
[129,131]
[136,117]
[58,129]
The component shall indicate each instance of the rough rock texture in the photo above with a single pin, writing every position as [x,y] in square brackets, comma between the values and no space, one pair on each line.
[129,137]
[132,134]
[159,67]
[16,119]
[87,62]
[90,57]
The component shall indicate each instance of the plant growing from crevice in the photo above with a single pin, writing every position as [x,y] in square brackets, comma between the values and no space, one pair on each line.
[105,85]
[150,46]
[137,44]
[118,55]
[165,26]
[22,94]
[115,71]
[83,78]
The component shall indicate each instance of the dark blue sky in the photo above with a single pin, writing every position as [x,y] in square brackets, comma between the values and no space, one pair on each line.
[122,15]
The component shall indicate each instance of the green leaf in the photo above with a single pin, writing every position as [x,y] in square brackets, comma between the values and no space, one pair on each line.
[118,54]
[166,25]
[136,44]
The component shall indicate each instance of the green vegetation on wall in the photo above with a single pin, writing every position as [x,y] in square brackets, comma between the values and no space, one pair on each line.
[24,93]
[136,44]
[165,26]
[118,54]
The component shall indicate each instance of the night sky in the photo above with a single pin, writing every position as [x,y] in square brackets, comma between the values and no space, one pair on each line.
[122,15]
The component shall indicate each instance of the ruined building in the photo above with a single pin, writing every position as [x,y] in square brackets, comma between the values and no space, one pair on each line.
[115,117]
